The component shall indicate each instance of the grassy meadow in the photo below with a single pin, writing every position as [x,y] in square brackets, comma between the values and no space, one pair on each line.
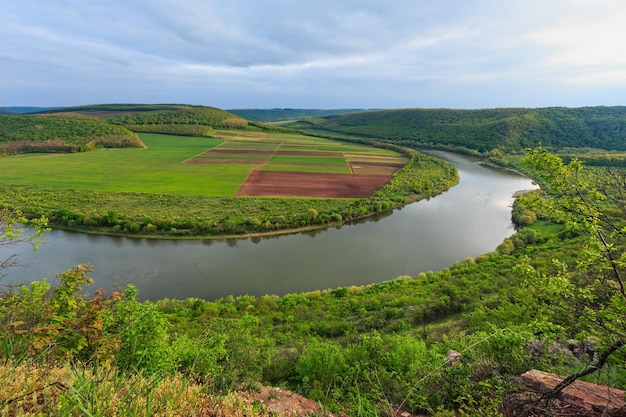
[158,168]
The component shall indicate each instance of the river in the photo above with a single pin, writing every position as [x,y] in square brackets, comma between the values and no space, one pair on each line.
[470,219]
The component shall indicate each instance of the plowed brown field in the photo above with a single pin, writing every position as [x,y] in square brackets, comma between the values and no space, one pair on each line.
[304,184]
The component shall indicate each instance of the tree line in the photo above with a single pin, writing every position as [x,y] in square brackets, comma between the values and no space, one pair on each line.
[505,129]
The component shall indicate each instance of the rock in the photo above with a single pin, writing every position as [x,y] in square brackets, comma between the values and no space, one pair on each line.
[596,400]
[553,352]
[452,358]
[398,412]
[284,403]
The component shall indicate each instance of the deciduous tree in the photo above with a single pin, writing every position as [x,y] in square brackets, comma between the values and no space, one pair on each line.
[14,231]
[594,290]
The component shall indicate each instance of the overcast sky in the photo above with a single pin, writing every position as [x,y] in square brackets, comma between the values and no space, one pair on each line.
[314,54]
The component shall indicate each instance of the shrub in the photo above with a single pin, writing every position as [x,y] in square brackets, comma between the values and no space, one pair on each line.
[143,334]
[506,248]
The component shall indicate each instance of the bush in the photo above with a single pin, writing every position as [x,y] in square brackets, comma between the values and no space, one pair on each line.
[143,333]
[199,357]
[319,367]
[506,248]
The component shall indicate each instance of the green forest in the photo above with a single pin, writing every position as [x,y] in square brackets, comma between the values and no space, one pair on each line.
[443,343]
[505,129]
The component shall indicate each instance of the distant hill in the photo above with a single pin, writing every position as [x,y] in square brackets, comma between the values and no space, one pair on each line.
[177,119]
[23,109]
[279,115]
[506,129]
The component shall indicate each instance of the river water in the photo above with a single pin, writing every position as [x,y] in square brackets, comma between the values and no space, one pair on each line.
[470,219]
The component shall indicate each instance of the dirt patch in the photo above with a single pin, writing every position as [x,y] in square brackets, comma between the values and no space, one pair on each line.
[305,184]
[370,170]
[374,168]
[284,403]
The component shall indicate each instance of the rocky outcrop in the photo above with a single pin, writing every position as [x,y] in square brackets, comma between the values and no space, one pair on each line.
[284,403]
[596,400]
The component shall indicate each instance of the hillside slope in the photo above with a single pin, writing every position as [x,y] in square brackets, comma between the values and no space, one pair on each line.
[81,128]
[177,119]
[507,129]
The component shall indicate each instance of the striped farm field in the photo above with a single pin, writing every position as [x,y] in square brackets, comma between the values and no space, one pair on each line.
[328,169]
[308,159]
[210,167]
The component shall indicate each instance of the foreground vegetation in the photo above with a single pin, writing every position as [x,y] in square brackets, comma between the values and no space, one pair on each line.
[534,302]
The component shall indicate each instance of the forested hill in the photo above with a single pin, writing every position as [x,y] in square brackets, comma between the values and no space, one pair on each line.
[176,119]
[80,128]
[506,129]
[61,133]
[24,109]
[158,114]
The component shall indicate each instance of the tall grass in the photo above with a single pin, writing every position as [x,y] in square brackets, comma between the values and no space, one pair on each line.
[35,390]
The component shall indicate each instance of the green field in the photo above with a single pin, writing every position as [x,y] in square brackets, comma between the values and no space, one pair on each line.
[157,169]
[160,167]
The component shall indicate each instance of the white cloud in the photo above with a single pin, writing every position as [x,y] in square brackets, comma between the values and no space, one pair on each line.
[587,40]
[599,77]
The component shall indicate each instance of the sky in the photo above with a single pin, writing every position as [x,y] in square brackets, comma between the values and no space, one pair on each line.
[323,54]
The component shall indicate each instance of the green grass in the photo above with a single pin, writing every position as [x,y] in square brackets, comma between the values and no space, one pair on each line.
[156,169]
[232,157]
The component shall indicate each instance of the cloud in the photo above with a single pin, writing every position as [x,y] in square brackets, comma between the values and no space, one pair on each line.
[586,43]
[363,53]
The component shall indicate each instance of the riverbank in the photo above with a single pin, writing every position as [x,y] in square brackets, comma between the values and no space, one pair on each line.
[467,220]
[273,233]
